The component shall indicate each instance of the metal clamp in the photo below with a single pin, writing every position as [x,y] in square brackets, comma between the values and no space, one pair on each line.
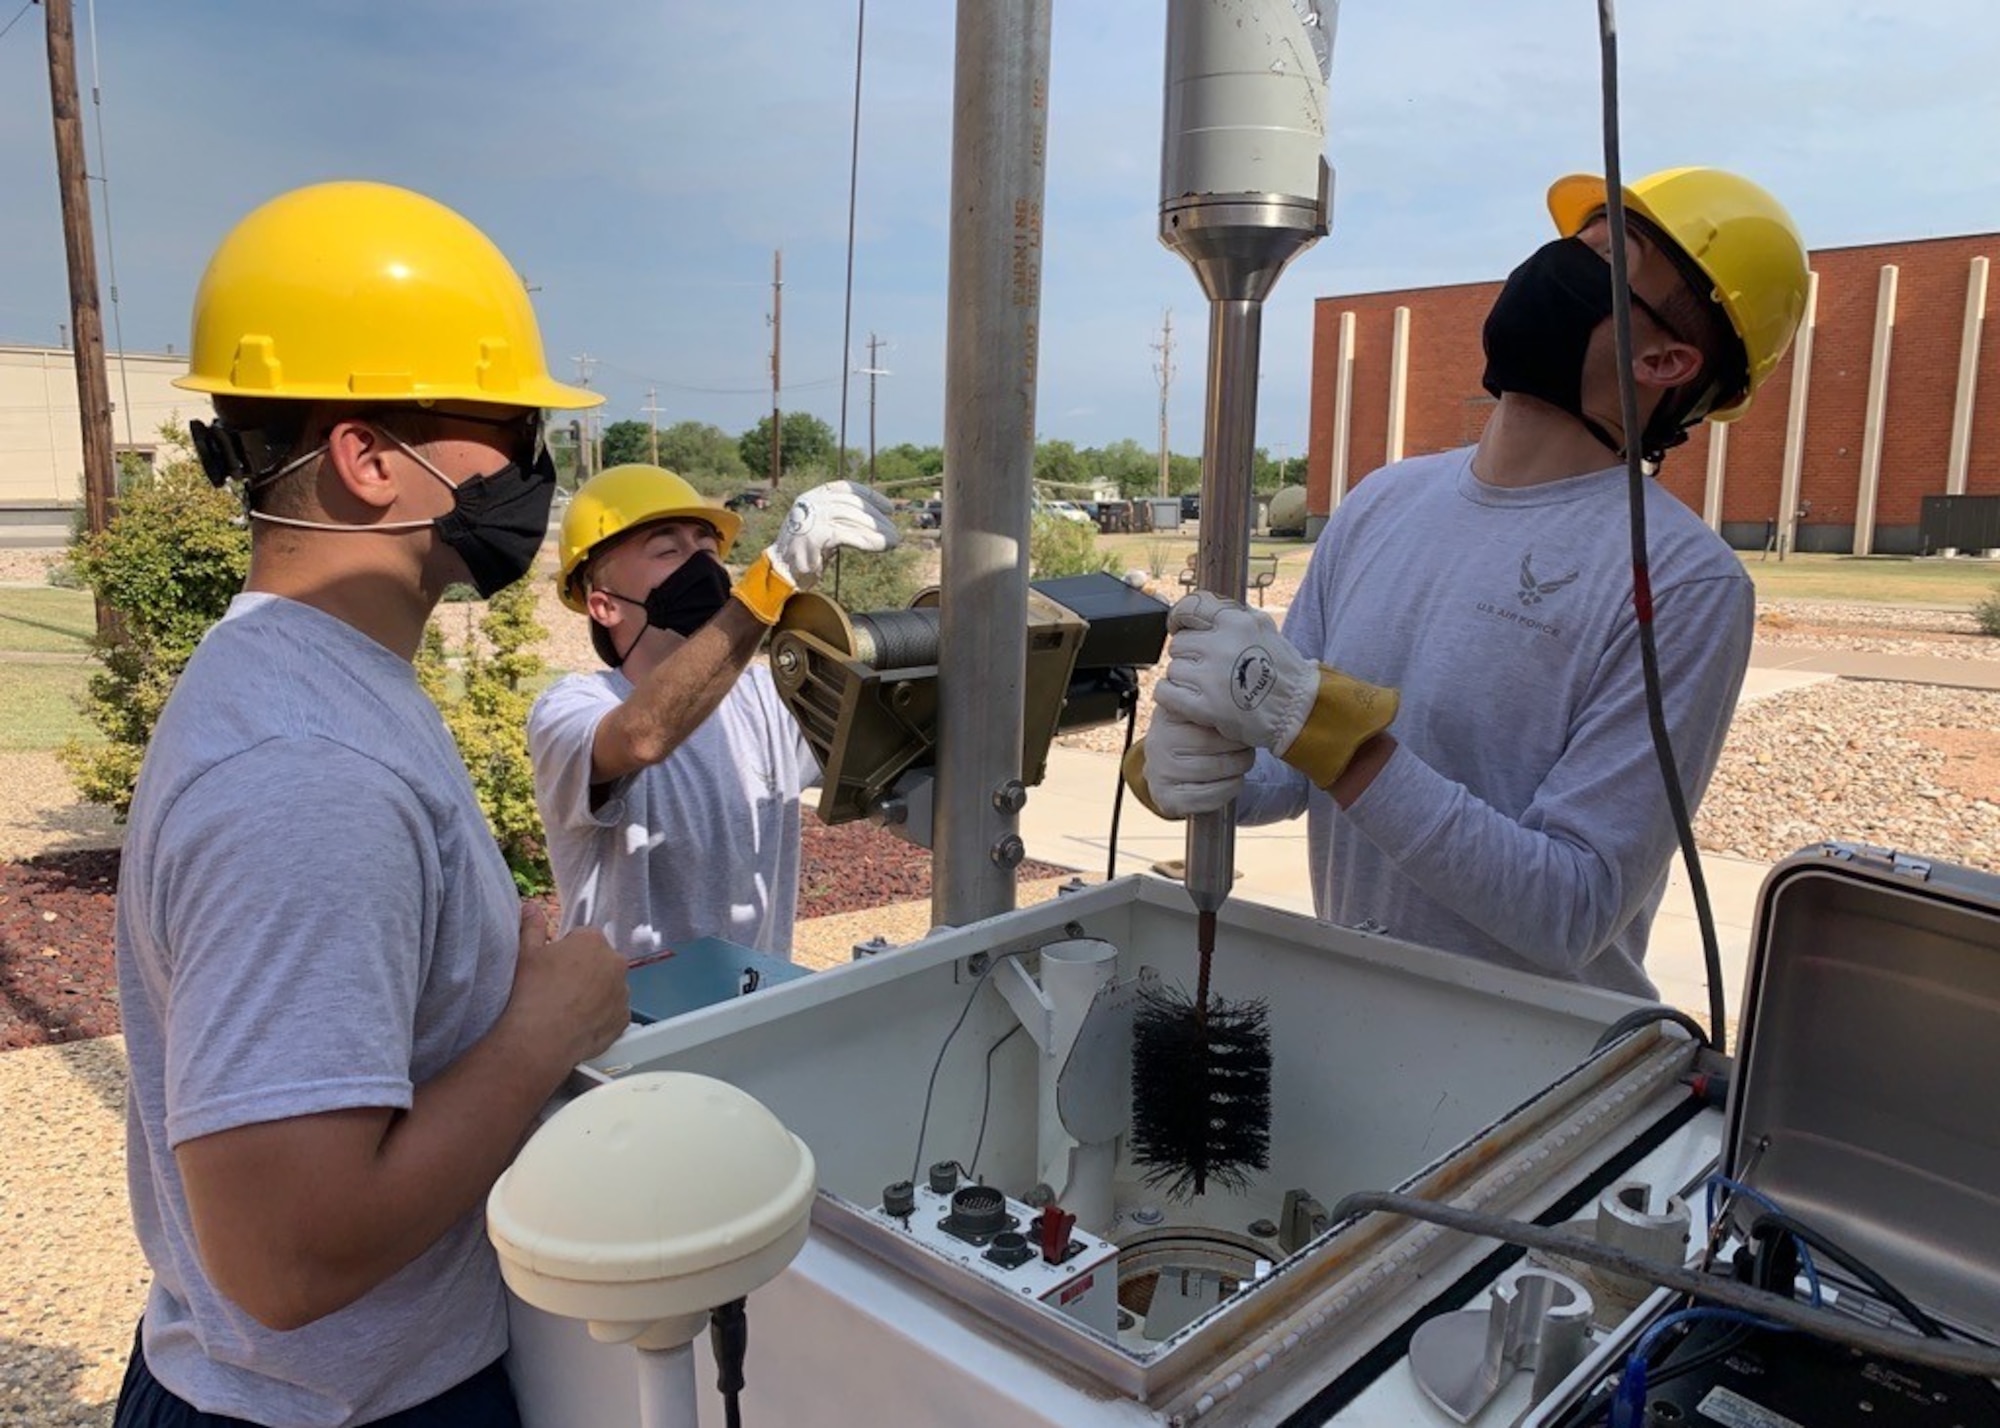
[1539,1320]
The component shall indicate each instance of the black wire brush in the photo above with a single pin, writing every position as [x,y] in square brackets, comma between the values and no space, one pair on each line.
[1201,1091]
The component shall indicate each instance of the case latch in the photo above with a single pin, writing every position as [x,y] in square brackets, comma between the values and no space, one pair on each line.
[1879,859]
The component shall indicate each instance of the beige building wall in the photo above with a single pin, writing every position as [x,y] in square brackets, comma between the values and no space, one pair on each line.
[41,443]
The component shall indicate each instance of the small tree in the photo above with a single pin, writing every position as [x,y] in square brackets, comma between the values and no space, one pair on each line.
[168,564]
[1059,546]
[486,709]
[1986,614]
[804,440]
[625,441]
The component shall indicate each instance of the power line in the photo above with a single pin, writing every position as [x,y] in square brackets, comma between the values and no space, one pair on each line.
[110,252]
[17,18]
[762,389]
[853,187]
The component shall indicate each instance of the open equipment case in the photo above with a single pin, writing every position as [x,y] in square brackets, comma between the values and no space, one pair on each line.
[1863,1110]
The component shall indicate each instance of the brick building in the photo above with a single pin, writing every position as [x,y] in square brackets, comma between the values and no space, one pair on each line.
[1890,393]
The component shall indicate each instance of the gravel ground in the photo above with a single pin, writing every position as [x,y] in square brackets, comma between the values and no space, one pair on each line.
[1909,766]
[1873,629]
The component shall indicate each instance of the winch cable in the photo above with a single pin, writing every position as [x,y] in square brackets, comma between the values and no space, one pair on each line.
[1118,784]
[1642,587]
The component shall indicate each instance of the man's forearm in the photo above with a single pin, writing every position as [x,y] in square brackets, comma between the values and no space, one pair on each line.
[682,691]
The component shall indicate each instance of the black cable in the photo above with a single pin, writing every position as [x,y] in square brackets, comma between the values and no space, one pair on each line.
[1118,792]
[729,1342]
[1642,585]
[1646,1016]
[930,1087]
[1847,1260]
[986,1102]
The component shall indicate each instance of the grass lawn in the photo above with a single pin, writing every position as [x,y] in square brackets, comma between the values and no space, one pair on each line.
[1874,579]
[1871,579]
[40,704]
[1166,552]
[45,620]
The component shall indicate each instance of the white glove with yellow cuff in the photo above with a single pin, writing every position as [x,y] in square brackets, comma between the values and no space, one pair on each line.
[1230,670]
[825,518]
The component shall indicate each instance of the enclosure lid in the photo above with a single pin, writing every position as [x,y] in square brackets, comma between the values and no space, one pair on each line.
[1868,1063]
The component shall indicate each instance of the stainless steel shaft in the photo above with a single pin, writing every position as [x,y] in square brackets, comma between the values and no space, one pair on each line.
[1228,456]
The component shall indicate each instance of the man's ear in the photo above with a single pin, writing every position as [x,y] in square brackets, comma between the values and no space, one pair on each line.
[602,608]
[1666,362]
[358,454]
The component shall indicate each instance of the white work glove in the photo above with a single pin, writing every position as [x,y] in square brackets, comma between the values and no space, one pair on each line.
[1230,670]
[1181,768]
[825,518]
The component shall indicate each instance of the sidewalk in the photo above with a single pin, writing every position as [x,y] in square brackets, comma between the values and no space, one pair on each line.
[1896,669]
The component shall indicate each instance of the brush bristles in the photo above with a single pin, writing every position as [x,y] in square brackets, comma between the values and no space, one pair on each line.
[1201,1092]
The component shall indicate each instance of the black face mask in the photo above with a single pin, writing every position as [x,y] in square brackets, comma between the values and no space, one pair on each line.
[683,602]
[1539,331]
[497,523]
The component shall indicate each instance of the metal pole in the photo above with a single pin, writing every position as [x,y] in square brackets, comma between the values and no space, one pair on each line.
[999,136]
[1228,449]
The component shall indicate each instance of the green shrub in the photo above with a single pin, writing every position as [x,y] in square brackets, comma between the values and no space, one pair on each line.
[1058,546]
[168,564]
[486,709]
[1987,613]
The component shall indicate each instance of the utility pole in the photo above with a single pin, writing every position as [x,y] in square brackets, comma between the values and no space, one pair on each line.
[93,388]
[587,454]
[873,370]
[1164,370]
[777,321]
[652,410]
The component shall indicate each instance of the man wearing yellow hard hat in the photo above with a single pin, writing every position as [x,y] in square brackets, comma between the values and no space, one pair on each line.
[340,1025]
[669,781]
[1456,701]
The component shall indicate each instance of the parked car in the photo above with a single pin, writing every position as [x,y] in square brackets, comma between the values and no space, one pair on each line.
[1067,510]
[930,515]
[1191,506]
[753,498]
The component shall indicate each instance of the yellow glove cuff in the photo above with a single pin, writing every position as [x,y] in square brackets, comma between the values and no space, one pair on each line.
[764,590]
[1133,768]
[1347,713]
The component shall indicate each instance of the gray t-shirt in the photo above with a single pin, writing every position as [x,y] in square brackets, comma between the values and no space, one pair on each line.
[312,916]
[704,843]
[1522,818]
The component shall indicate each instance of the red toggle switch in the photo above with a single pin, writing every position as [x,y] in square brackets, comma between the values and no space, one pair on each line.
[1053,1229]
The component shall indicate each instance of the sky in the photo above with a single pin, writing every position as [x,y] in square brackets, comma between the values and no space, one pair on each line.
[640,160]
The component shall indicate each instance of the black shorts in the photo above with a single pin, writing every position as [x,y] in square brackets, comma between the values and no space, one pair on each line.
[486,1400]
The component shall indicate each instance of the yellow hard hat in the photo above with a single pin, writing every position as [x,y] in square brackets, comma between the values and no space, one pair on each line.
[623,498]
[344,291]
[1737,234]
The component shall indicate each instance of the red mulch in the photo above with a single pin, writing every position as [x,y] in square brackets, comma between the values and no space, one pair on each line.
[57,981]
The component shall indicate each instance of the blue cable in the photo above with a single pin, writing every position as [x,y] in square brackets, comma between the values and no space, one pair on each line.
[1628,1403]
[1759,1198]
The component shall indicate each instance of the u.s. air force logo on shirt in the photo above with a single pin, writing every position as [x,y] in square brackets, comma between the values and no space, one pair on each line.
[1530,590]
[1534,588]
[1251,679]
